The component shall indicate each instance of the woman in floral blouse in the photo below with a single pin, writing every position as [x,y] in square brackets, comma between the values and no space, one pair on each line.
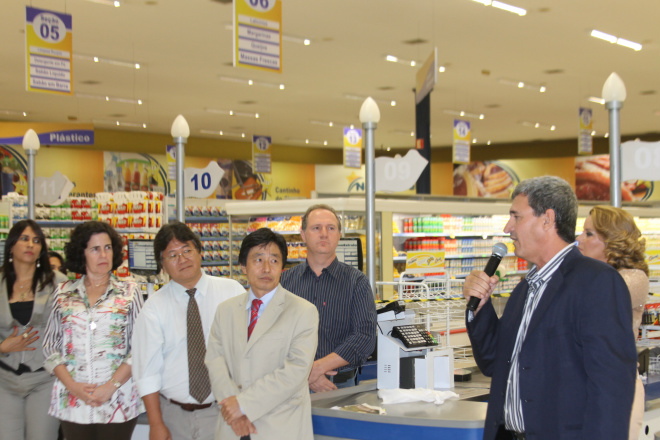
[88,340]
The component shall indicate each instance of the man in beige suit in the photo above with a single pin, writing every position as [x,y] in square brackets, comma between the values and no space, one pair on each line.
[261,349]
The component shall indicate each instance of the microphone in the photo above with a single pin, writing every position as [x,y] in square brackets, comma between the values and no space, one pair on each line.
[499,251]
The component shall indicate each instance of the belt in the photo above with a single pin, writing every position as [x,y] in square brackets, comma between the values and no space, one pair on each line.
[190,407]
[344,376]
[22,368]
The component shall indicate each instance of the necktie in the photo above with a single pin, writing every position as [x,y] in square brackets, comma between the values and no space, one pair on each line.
[254,313]
[198,374]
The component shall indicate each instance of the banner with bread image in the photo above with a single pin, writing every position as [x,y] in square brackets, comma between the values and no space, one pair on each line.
[491,179]
[592,181]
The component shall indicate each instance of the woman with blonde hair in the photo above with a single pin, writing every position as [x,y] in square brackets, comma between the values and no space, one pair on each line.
[611,235]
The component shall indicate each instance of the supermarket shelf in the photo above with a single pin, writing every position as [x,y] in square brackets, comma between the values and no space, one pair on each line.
[59,223]
[447,234]
[237,237]
[217,263]
[402,258]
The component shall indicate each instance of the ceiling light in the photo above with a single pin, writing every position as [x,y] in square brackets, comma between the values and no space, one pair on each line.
[281,86]
[109,98]
[629,44]
[251,82]
[13,113]
[393,103]
[597,100]
[97,59]
[441,69]
[603,36]
[508,8]
[114,3]
[119,123]
[233,113]
[413,63]
[523,85]
[593,133]
[614,40]
[395,59]
[606,135]
[391,58]
[256,115]
[538,125]
[464,114]
[307,42]
[330,123]
[488,142]
[325,142]
[412,133]
[474,140]
[223,133]
[242,135]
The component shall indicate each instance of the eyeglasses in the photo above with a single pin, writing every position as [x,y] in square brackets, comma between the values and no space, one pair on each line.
[174,256]
[27,238]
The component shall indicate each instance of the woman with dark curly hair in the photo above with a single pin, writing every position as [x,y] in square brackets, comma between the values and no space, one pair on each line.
[88,340]
[611,235]
[26,292]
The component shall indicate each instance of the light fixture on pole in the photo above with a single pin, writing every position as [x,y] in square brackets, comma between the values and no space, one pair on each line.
[614,93]
[369,116]
[180,132]
[31,145]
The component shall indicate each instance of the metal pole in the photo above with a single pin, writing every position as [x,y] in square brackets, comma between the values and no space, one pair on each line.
[615,153]
[180,183]
[370,190]
[30,183]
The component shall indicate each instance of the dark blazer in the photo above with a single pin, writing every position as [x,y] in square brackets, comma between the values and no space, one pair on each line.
[577,365]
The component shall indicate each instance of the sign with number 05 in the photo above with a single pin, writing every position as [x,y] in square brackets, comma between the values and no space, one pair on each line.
[202,183]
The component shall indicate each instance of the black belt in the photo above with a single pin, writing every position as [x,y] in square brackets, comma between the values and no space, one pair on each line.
[344,376]
[190,407]
[22,368]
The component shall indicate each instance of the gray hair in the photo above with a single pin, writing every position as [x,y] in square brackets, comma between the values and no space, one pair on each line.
[550,192]
[303,227]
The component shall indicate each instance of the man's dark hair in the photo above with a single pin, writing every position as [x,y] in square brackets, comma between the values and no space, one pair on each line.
[169,232]
[259,238]
[74,250]
[550,192]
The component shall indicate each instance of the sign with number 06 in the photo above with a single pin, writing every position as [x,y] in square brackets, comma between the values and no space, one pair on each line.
[640,160]
[201,183]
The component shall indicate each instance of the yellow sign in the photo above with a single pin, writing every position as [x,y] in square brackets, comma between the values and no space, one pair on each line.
[425,261]
[258,34]
[49,42]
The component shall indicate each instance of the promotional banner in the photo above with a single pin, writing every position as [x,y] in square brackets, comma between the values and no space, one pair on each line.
[585,145]
[258,34]
[261,154]
[425,261]
[49,133]
[134,172]
[592,181]
[287,181]
[352,147]
[461,145]
[498,178]
[49,42]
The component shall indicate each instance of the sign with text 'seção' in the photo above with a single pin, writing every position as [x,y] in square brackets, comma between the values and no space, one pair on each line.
[49,37]
[258,34]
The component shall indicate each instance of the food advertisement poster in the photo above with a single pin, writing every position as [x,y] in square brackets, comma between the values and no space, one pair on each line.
[498,178]
[286,181]
[592,182]
[135,172]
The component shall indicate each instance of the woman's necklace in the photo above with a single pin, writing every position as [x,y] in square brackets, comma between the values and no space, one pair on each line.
[24,296]
[104,280]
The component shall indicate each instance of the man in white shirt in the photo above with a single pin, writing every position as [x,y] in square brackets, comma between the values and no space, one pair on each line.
[160,339]
[261,350]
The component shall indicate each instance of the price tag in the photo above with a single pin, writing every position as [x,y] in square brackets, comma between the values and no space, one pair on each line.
[640,160]
[201,183]
[52,190]
[399,173]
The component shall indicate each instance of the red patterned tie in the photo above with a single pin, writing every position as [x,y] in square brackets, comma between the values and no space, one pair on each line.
[256,303]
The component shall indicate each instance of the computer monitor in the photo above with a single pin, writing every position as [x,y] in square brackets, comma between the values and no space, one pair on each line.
[141,258]
[349,251]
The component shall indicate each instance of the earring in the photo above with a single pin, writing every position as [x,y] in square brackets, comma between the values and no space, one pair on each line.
[38,264]
[11,257]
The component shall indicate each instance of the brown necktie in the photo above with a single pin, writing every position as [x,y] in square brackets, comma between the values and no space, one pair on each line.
[198,374]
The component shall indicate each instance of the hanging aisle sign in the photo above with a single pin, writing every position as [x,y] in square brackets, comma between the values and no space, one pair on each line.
[461,146]
[261,154]
[258,34]
[585,145]
[352,147]
[49,37]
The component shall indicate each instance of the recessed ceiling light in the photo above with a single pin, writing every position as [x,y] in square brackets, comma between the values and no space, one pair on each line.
[503,6]
[615,40]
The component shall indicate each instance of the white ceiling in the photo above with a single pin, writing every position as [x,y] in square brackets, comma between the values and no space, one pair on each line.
[185,48]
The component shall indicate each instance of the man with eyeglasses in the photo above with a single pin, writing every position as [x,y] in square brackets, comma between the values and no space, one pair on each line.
[169,342]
